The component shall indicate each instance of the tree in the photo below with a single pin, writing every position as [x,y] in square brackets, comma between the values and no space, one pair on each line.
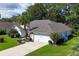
[13,33]
[24,20]
[55,13]
[37,11]
[55,37]
[6,20]
[16,18]
[2,31]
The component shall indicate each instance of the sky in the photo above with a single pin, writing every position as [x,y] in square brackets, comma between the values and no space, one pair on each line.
[7,10]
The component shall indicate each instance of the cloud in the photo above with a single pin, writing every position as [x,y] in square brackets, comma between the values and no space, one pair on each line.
[9,6]
[8,10]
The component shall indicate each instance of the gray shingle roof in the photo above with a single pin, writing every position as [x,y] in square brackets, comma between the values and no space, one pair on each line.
[6,24]
[47,26]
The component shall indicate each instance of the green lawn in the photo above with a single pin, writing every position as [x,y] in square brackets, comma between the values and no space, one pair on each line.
[9,42]
[62,50]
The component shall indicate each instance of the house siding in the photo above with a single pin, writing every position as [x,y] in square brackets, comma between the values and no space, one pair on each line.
[65,35]
[41,33]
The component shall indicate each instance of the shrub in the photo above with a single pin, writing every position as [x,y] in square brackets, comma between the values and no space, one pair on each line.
[75,33]
[17,34]
[50,42]
[2,31]
[70,36]
[55,37]
[1,40]
[29,38]
[21,40]
[60,41]
[13,33]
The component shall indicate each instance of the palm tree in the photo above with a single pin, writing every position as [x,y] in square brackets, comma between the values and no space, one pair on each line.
[23,19]
[26,18]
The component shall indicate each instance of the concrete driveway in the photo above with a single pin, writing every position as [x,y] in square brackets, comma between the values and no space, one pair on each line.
[23,49]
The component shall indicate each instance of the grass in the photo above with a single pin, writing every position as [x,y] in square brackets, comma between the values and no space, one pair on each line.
[9,42]
[50,50]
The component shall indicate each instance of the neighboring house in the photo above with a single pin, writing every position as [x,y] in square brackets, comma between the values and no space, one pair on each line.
[7,26]
[41,30]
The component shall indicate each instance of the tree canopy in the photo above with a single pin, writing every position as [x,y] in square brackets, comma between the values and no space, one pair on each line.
[67,13]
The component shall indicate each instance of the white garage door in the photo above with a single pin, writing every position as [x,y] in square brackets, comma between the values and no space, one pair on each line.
[40,38]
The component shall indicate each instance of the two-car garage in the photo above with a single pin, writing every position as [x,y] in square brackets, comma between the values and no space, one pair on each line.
[40,38]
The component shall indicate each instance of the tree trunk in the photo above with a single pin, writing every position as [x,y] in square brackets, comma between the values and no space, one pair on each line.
[55,43]
[26,31]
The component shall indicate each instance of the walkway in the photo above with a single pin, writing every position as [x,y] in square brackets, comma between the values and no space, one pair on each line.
[23,49]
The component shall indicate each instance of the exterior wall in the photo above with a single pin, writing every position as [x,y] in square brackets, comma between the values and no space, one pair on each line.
[7,29]
[22,26]
[20,31]
[45,38]
[65,35]
[40,38]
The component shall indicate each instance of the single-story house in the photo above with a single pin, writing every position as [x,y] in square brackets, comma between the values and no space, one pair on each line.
[41,30]
[8,25]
